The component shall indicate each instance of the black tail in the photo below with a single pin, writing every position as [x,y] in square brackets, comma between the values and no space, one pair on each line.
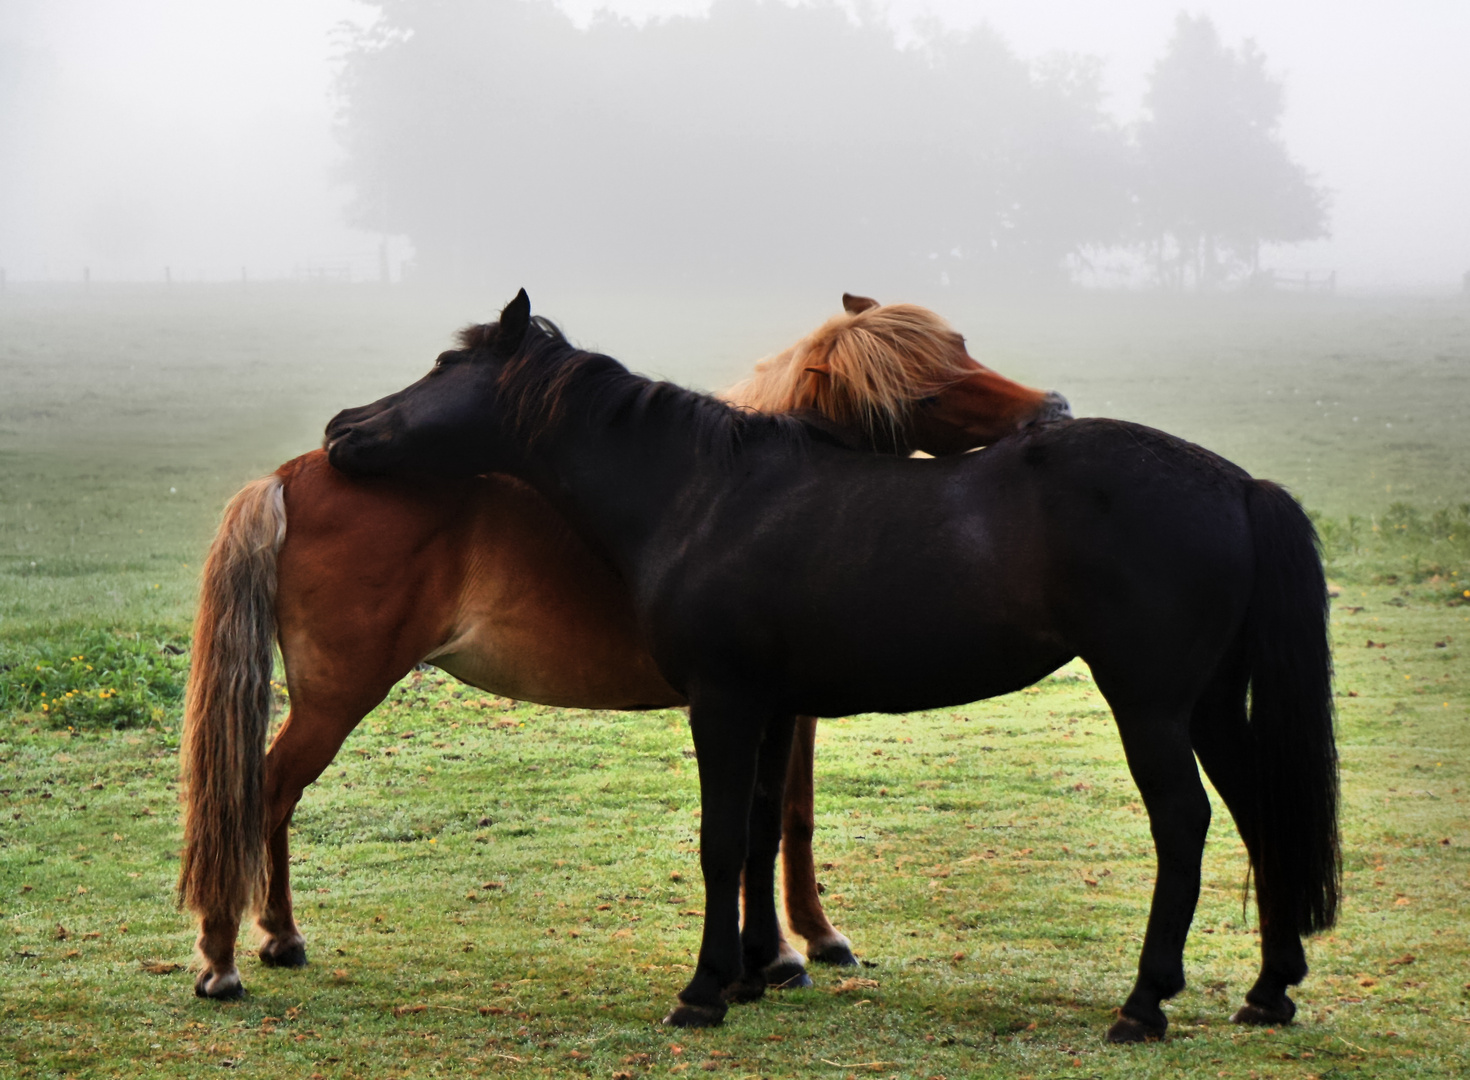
[1299,871]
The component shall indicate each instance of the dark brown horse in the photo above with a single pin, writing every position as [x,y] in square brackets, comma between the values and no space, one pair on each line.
[776,574]
[360,579]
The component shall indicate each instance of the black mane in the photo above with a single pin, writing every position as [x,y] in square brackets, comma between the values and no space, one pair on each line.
[534,385]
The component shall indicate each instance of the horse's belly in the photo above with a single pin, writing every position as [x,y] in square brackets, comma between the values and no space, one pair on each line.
[935,675]
[530,655]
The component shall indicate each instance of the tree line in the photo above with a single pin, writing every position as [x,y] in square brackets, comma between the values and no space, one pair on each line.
[768,144]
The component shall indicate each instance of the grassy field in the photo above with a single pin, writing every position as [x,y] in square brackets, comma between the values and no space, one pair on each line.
[991,863]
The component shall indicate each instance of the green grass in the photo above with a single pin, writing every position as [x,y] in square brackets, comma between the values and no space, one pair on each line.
[992,863]
[113,679]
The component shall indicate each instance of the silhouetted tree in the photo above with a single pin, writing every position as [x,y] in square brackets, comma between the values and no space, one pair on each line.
[1216,180]
[764,143]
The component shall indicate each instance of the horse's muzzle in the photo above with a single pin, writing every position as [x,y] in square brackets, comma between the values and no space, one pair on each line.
[1055,407]
[357,451]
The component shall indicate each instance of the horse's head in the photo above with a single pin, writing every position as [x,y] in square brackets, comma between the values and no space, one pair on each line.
[899,375]
[978,409]
[446,423]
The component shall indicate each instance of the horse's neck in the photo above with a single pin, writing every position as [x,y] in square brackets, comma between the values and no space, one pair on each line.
[615,483]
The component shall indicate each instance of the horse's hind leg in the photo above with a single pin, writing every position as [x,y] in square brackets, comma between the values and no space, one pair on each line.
[1223,741]
[1162,763]
[799,876]
[283,944]
[302,749]
[219,978]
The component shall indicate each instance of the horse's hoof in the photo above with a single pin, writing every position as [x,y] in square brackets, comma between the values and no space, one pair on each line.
[219,986]
[1125,1029]
[287,953]
[797,980]
[1265,1016]
[838,954]
[745,990]
[695,1016]
[787,975]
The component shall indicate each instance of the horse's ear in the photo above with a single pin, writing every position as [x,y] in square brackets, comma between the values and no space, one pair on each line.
[819,369]
[514,320]
[856,305]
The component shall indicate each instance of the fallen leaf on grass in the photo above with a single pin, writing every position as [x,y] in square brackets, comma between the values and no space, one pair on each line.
[1408,958]
[160,967]
[403,1010]
[846,986]
[859,1064]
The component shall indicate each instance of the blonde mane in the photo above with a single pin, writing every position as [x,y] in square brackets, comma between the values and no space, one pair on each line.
[864,371]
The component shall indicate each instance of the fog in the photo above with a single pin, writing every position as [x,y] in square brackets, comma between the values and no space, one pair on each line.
[196,138]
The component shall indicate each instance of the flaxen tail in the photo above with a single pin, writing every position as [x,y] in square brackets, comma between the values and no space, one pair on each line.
[228,707]
[1291,716]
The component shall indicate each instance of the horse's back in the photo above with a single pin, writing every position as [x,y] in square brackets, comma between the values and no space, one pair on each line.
[889,586]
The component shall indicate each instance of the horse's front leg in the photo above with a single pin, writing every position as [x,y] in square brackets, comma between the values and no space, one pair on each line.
[799,873]
[768,958]
[727,741]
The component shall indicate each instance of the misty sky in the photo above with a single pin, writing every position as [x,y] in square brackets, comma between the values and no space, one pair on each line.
[196,134]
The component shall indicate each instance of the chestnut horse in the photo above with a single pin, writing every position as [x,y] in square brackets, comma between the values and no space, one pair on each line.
[774,574]
[358,580]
